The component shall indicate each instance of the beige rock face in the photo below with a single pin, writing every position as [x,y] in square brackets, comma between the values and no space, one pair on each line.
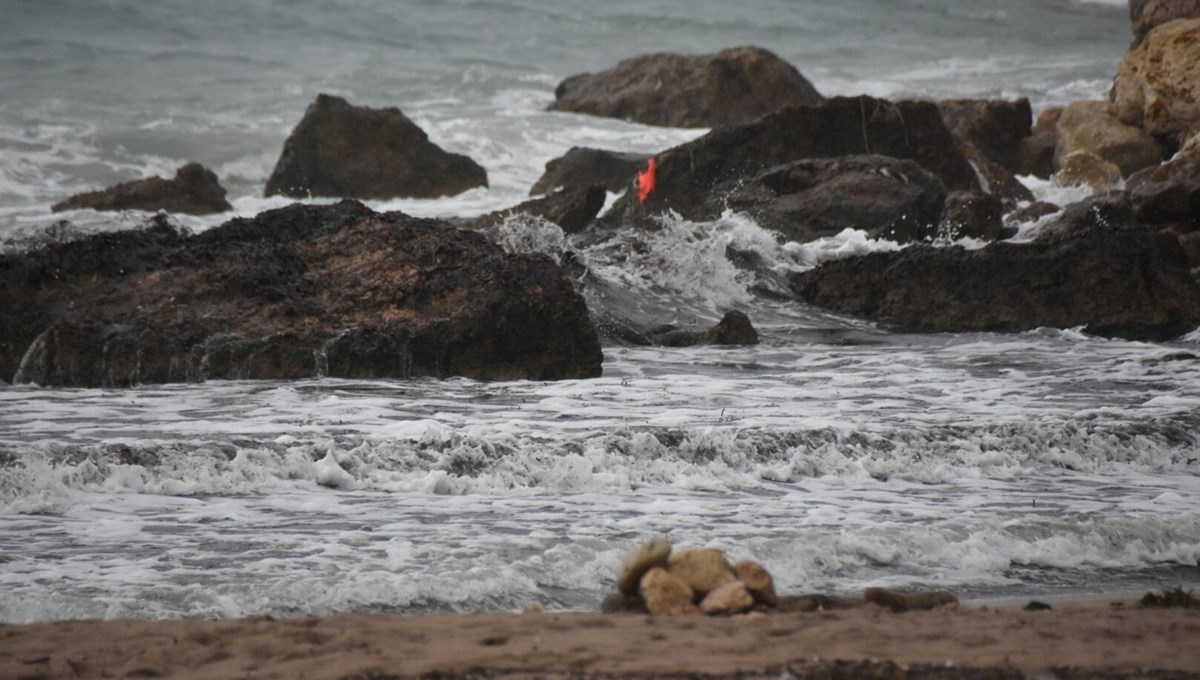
[703,569]
[1084,168]
[1146,14]
[758,581]
[1158,83]
[731,598]
[666,594]
[652,553]
[1093,126]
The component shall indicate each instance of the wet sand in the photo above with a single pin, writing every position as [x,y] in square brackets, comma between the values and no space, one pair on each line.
[1101,638]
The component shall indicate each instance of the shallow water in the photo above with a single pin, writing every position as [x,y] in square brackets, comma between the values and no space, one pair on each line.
[839,454]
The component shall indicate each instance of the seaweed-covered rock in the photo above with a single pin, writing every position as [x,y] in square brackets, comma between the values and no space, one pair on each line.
[194,190]
[584,167]
[729,87]
[1111,278]
[297,292]
[348,151]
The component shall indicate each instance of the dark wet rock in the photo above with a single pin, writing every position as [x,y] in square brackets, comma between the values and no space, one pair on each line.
[1083,168]
[349,151]
[1093,126]
[572,209]
[194,190]
[1170,193]
[1036,153]
[585,167]
[971,214]
[995,179]
[1144,15]
[729,87]
[996,127]
[733,329]
[1116,281]
[1029,214]
[1109,210]
[807,199]
[293,293]
[1190,242]
[687,174]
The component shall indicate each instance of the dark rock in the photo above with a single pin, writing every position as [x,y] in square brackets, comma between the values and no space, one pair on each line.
[729,87]
[349,151]
[194,190]
[687,174]
[1036,154]
[585,167]
[733,329]
[1032,212]
[1127,282]
[971,214]
[1107,211]
[995,127]
[1190,243]
[811,198]
[572,209]
[293,293]
[1144,15]
[995,179]
[1170,192]
[1083,168]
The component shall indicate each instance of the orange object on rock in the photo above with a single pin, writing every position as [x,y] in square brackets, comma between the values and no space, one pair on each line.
[645,180]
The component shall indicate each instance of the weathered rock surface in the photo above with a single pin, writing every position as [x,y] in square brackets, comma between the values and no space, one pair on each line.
[687,175]
[194,190]
[1114,280]
[1144,15]
[1084,168]
[1170,193]
[995,127]
[1036,153]
[995,179]
[703,569]
[731,598]
[758,581]
[804,200]
[1093,126]
[1156,85]
[734,328]
[301,291]
[666,594]
[584,167]
[348,151]
[652,553]
[729,87]
[972,214]
[573,209]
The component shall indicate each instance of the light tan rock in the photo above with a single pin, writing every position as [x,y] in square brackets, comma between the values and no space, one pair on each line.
[1146,14]
[731,598]
[1157,86]
[1094,126]
[758,581]
[667,595]
[703,569]
[652,553]
[1084,168]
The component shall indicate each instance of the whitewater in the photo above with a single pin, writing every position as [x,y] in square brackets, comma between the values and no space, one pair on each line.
[838,453]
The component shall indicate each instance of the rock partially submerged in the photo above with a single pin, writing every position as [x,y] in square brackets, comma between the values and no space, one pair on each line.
[194,190]
[298,292]
[734,328]
[729,87]
[572,209]
[347,151]
[584,167]
[1110,278]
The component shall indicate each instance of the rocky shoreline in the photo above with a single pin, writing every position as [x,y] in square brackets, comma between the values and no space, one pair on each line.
[269,298]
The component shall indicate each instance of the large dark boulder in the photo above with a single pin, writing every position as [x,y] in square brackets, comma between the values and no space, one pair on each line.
[687,174]
[807,199]
[194,190]
[347,151]
[729,87]
[572,209]
[994,126]
[1169,194]
[1120,281]
[582,166]
[297,292]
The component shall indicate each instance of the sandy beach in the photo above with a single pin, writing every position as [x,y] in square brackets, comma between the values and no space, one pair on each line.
[1102,638]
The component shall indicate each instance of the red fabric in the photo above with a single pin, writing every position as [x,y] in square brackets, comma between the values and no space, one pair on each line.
[645,180]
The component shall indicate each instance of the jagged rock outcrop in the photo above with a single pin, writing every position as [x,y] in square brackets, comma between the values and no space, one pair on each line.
[1144,15]
[729,87]
[194,190]
[584,167]
[889,198]
[687,175]
[1156,84]
[297,292]
[1111,278]
[1093,126]
[347,151]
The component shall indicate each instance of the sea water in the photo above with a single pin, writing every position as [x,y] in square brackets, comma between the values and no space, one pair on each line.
[838,453]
